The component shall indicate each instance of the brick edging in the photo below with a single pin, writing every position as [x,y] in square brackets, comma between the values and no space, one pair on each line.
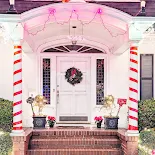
[129,144]
[20,143]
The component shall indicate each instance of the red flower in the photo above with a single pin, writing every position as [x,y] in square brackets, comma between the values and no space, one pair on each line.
[98,118]
[51,118]
[153,152]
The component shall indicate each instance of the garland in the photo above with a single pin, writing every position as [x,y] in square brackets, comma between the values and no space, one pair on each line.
[73,76]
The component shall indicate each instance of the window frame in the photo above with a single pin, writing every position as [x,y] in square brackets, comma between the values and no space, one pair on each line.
[103,79]
[146,78]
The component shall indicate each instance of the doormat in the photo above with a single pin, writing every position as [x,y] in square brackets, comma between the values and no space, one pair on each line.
[70,127]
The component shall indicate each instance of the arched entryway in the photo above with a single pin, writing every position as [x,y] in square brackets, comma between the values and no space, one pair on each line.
[73,103]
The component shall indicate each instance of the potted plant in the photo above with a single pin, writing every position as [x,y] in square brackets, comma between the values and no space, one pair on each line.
[98,121]
[39,101]
[111,121]
[51,121]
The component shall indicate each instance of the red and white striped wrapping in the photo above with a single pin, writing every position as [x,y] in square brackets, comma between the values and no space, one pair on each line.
[17,90]
[133,90]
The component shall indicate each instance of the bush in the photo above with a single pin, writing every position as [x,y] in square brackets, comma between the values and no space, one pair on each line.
[146,114]
[5,144]
[6,115]
[147,139]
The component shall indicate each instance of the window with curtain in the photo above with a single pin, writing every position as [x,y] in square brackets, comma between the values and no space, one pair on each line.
[146,76]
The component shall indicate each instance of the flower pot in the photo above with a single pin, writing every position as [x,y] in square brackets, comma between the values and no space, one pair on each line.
[39,121]
[51,125]
[99,124]
[111,122]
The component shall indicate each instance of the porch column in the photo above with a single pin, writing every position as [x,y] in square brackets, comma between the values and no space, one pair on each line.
[17,90]
[133,90]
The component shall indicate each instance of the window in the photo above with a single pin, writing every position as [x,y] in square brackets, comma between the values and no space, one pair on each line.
[99,81]
[146,76]
[46,79]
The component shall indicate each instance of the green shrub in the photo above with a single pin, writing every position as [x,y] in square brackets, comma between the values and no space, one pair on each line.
[147,138]
[146,114]
[5,144]
[6,115]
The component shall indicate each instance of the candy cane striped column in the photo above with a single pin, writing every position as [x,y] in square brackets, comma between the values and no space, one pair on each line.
[17,90]
[133,90]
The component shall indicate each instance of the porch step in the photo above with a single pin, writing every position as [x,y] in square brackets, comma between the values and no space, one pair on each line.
[80,133]
[75,152]
[75,136]
[73,143]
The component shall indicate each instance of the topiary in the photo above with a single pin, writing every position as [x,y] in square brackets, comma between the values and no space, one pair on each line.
[146,114]
[6,116]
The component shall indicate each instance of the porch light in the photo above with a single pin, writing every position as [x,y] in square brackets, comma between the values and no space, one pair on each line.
[143,4]
[74,38]
[12,9]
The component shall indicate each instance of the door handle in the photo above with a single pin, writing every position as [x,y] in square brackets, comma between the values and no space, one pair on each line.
[57,96]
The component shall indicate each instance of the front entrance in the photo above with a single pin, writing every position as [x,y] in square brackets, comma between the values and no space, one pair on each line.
[73,102]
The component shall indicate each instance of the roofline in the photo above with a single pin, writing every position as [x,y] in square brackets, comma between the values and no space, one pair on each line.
[45,10]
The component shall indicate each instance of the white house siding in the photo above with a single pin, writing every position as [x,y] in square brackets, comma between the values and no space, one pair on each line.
[147,46]
[6,71]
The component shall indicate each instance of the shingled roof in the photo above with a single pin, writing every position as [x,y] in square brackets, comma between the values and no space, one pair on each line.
[131,8]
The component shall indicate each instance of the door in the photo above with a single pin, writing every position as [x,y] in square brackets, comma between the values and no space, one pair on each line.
[73,102]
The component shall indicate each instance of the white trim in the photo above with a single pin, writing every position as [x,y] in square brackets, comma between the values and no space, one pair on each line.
[89,85]
[106,77]
[62,40]
[93,85]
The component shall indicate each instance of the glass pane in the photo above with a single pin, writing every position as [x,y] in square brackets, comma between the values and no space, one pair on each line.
[146,89]
[46,79]
[146,66]
[100,81]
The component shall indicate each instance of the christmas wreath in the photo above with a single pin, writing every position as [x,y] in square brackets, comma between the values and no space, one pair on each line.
[73,76]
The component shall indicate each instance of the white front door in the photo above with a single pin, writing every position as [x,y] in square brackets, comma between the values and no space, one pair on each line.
[73,102]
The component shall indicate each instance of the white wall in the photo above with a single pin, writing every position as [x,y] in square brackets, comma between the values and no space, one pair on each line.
[29,84]
[117,86]
[118,82]
[6,70]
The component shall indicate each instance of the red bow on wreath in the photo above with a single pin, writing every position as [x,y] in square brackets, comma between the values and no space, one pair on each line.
[73,72]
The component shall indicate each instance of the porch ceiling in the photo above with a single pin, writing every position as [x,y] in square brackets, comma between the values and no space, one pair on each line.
[107,30]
